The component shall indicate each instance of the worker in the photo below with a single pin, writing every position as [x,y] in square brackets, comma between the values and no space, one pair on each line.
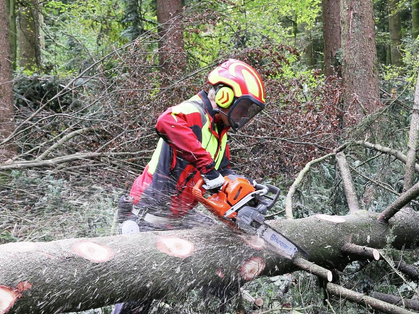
[193,143]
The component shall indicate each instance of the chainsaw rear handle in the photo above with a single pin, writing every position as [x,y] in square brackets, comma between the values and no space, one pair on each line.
[270,189]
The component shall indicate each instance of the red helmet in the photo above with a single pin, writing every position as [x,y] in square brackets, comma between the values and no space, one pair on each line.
[248,89]
[241,77]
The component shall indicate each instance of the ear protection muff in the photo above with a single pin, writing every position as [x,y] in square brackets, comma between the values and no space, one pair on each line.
[224,96]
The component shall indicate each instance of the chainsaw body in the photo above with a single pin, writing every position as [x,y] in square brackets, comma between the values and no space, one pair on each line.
[242,205]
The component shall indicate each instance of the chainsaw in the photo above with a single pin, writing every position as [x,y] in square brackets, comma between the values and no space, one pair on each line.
[242,205]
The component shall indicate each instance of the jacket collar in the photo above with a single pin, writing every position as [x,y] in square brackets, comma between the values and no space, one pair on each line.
[207,103]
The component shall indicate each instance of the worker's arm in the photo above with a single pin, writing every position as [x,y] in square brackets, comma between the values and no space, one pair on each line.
[180,131]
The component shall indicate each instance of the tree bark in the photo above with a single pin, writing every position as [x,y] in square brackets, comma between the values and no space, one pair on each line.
[331,34]
[172,57]
[415,18]
[348,183]
[395,29]
[11,6]
[412,144]
[6,92]
[359,71]
[411,304]
[78,274]
[29,36]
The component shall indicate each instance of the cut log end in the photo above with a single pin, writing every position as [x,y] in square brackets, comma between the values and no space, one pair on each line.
[335,219]
[376,254]
[329,276]
[93,251]
[8,296]
[259,302]
[175,246]
[252,268]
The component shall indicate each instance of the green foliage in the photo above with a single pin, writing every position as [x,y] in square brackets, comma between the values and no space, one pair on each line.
[34,91]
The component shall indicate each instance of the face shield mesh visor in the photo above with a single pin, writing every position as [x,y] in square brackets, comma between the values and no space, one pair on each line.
[242,111]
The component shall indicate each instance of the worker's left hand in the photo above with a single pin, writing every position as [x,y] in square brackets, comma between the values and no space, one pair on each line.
[213,180]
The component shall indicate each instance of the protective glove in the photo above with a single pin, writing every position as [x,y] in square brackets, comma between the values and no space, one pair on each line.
[124,208]
[213,180]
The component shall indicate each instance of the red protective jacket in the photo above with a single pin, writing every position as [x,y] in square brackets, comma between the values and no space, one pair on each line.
[191,142]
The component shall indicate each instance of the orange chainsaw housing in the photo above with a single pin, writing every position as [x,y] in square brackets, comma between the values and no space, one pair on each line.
[232,192]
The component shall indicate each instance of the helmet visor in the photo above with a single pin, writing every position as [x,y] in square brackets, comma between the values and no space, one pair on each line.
[243,110]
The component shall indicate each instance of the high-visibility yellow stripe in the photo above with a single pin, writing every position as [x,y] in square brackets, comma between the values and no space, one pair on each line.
[209,141]
[221,152]
[152,165]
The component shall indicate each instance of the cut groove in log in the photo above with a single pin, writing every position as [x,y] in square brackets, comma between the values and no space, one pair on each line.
[363,251]
[313,268]
[252,268]
[335,219]
[92,251]
[254,242]
[174,246]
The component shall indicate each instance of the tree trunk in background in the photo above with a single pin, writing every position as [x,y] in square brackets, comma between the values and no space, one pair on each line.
[6,91]
[409,177]
[172,57]
[11,6]
[395,29]
[415,18]
[359,70]
[29,35]
[79,274]
[309,49]
[331,34]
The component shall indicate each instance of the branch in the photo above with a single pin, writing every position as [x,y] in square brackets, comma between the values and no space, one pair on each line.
[297,182]
[363,251]
[410,304]
[348,184]
[63,159]
[364,299]
[386,150]
[63,140]
[398,204]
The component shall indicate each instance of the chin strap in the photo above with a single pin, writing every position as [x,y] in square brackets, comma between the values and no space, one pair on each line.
[218,110]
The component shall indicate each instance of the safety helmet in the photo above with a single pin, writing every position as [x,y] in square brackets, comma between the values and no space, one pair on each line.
[239,87]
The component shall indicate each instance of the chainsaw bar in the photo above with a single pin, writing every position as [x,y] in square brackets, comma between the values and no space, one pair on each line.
[280,244]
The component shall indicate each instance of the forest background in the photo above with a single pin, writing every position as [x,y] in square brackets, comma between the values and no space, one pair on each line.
[82,83]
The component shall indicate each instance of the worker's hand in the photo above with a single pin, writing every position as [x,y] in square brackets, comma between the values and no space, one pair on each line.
[213,180]
[124,208]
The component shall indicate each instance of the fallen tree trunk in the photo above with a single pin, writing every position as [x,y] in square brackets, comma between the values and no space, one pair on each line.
[78,274]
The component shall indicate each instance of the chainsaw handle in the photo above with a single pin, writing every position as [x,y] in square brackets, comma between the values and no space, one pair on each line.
[270,189]
[196,191]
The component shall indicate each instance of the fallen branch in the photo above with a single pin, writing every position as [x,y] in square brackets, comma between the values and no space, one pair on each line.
[82,274]
[297,182]
[348,183]
[362,251]
[399,203]
[386,150]
[62,141]
[365,300]
[410,304]
[63,159]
